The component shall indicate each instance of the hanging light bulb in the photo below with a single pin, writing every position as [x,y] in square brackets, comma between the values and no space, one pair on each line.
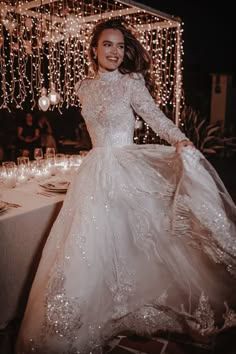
[1,41]
[28,47]
[15,46]
[10,25]
[53,36]
[53,96]
[28,23]
[3,10]
[43,101]
[138,124]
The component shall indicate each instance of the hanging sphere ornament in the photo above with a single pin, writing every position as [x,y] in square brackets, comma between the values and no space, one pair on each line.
[138,124]
[53,96]
[43,101]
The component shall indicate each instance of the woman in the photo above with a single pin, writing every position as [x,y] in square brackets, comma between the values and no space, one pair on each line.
[47,139]
[143,242]
[28,136]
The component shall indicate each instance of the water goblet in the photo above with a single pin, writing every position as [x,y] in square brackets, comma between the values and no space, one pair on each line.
[38,154]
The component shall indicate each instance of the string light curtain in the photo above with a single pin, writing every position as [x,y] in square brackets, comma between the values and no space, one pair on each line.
[43,49]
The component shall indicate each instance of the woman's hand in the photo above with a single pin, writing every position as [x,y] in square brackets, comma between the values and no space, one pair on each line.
[182,144]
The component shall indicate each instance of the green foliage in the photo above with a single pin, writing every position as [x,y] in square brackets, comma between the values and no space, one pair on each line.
[208,138]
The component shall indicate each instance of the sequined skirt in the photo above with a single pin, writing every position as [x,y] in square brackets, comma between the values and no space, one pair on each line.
[145,241]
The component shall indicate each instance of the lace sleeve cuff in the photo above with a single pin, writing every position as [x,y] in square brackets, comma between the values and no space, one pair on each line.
[145,106]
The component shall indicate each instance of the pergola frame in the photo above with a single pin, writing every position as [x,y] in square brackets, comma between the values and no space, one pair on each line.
[158,21]
[134,7]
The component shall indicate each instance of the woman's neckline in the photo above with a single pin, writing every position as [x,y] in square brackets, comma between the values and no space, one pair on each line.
[108,75]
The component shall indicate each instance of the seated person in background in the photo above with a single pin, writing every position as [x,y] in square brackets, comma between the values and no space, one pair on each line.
[28,134]
[1,145]
[2,142]
[8,136]
[47,139]
[1,154]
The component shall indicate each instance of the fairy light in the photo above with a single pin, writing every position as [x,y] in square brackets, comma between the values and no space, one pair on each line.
[47,45]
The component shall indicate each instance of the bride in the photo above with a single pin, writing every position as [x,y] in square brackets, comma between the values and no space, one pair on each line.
[145,241]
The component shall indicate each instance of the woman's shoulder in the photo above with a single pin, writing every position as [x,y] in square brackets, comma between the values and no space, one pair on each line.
[136,77]
[135,81]
[81,85]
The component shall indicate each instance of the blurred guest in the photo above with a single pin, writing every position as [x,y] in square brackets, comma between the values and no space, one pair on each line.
[1,153]
[1,144]
[8,135]
[28,134]
[46,133]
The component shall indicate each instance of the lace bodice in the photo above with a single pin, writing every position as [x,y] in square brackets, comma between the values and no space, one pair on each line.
[108,104]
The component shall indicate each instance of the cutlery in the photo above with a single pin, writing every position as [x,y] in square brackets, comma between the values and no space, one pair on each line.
[12,205]
[45,194]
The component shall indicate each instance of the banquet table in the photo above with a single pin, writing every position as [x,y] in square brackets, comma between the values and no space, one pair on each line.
[23,233]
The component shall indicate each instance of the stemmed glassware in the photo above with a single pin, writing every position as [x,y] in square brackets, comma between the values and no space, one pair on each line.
[38,154]
[10,176]
[23,169]
[50,152]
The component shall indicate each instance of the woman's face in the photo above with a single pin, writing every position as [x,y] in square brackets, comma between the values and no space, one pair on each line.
[110,50]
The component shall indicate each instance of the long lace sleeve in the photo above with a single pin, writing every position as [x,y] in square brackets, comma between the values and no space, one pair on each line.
[145,106]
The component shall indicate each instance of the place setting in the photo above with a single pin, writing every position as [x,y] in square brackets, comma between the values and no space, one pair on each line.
[53,186]
[4,206]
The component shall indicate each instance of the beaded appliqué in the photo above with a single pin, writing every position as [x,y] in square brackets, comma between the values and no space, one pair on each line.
[62,315]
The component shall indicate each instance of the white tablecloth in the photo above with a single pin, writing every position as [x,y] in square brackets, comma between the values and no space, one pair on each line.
[23,232]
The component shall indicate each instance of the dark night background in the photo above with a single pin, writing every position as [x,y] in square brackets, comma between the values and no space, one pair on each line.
[208,33]
[208,45]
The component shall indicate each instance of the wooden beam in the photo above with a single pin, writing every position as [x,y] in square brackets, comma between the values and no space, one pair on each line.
[86,19]
[93,18]
[115,13]
[150,10]
[157,25]
[35,3]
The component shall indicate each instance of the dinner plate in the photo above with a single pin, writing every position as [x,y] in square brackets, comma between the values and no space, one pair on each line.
[56,186]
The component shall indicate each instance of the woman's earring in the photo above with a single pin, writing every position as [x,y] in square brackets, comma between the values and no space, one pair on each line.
[95,56]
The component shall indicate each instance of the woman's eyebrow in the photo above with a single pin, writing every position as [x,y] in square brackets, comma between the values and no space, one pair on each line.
[106,41]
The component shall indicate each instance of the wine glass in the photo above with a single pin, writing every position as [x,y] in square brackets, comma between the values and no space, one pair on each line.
[50,152]
[23,160]
[38,154]
[10,164]
[23,168]
[9,174]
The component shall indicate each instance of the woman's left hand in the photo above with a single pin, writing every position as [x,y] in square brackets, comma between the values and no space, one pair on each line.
[182,144]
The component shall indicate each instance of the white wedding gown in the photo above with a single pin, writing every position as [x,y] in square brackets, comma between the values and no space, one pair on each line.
[145,240]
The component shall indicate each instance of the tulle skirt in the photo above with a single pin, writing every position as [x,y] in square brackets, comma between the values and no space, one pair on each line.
[145,242]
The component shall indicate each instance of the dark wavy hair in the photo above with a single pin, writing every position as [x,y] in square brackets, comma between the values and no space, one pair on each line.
[136,58]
